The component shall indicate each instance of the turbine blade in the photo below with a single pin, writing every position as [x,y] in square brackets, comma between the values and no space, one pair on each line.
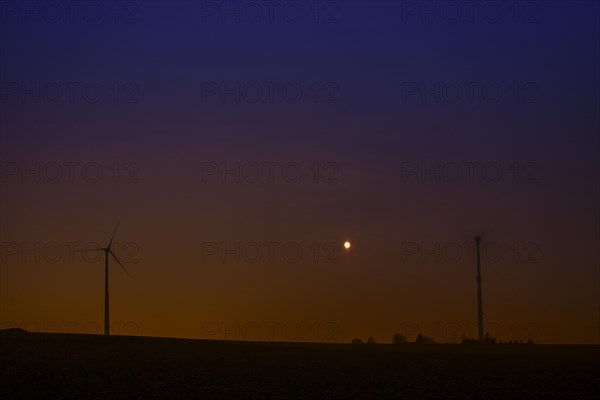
[115,257]
[113,236]
[91,250]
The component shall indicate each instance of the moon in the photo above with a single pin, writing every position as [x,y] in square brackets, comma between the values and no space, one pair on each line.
[347,245]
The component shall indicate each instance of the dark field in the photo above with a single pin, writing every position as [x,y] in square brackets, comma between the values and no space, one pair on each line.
[57,366]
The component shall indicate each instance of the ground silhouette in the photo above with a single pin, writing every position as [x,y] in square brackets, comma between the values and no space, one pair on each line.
[70,366]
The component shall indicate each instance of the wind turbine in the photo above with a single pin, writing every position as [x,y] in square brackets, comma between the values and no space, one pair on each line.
[107,251]
[479,297]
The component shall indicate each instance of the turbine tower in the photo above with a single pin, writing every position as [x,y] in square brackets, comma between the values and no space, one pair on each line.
[108,251]
[479,298]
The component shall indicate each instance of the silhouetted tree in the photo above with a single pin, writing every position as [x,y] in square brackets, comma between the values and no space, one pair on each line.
[466,340]
[421,339]
[370,340]
[356,341]
[488,339]
[398,338]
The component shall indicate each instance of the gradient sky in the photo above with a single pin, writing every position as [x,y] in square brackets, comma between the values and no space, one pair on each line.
[369,128]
